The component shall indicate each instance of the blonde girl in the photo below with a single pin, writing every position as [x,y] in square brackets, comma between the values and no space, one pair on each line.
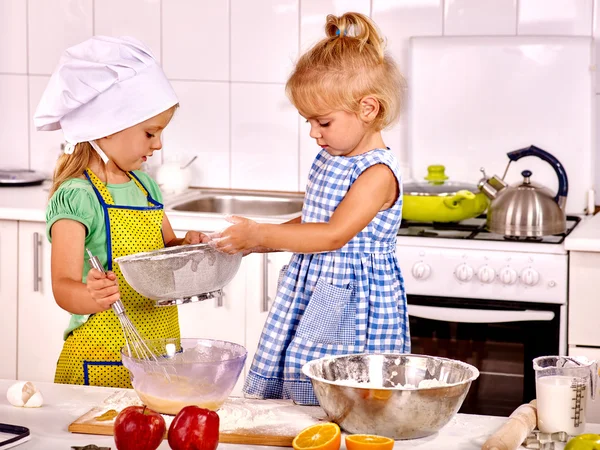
[342,291]
[112,101]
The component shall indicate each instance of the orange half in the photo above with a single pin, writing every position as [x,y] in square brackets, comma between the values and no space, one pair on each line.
[368,442]
[322,436]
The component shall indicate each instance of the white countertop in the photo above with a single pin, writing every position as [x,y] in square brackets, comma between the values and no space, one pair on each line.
[65,403]
[586,236]
[28,203]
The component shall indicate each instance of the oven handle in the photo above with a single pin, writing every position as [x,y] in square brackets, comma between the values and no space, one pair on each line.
[461,315]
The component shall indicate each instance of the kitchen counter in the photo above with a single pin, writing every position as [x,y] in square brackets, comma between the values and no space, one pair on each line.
[586,236]
[24,203]
[65,403]
[28,203]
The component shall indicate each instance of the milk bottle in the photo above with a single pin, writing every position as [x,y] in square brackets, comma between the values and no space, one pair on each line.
[563,385]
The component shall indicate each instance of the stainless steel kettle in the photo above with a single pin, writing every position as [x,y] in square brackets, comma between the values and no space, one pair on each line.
[526,209]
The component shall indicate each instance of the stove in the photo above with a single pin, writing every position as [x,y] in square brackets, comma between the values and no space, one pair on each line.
[488,300]
[475,229]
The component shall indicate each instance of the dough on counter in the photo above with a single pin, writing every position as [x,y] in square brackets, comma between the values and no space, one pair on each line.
[25,394]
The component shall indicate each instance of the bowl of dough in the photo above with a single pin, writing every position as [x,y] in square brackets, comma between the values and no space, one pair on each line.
[180,274]
[401,396]
[187,371]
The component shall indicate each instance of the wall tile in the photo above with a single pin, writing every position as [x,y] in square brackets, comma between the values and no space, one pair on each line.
[136,18]
[597,43]
[55,25]
[398,21]
[264,138]
[555,17]
[201,127]
[13,122]
[314,12]
[480,17]
[597,150]
[13,36]
[264,39]
[44,145]
[196,39]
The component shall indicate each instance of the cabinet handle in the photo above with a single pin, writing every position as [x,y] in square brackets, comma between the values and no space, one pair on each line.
[37,278]
[265,299]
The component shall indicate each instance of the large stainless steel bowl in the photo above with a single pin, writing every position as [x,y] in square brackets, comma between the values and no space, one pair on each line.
[365,393]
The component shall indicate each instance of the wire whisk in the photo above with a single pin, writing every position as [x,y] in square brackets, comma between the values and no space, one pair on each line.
[135,343]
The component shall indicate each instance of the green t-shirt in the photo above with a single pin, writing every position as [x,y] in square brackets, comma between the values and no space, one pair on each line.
[76,200]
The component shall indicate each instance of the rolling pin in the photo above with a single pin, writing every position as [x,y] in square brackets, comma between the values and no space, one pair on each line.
[516,429]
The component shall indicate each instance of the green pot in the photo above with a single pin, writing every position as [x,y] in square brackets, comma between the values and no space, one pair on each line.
[439,200]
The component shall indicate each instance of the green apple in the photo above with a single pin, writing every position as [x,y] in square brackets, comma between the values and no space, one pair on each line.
[584,442]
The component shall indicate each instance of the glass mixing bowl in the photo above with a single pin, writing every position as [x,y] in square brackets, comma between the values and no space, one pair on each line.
[400,396]
[199,372]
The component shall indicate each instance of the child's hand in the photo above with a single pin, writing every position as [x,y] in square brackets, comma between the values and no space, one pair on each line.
[242,236]
[195,237]
[103,288]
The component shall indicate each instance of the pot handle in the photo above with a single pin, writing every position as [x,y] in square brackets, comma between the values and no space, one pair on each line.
[454,201]
[563,182]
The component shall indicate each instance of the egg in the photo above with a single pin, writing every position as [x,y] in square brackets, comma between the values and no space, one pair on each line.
[25,394]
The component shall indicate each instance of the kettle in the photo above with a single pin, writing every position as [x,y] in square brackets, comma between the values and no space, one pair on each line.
[526,209]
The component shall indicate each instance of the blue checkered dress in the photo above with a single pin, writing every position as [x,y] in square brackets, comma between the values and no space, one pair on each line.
[350,300]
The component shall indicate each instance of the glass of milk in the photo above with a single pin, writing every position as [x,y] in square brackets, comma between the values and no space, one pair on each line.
[563,386]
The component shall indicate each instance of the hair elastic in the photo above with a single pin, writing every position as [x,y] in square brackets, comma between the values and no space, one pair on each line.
[337,32]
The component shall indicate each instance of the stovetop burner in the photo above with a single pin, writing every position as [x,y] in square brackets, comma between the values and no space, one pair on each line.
[475,229]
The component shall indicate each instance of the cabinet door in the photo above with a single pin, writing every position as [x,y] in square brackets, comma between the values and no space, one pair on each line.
[41,320]
[8,298]
[262,280]
[584,273]
[222,319]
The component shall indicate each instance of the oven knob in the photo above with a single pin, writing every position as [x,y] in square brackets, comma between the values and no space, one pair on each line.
[530,276]
[421,271]
[464,272]
[508,275]
[486,274]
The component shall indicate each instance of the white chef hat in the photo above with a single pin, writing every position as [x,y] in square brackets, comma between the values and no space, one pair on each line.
[102,86]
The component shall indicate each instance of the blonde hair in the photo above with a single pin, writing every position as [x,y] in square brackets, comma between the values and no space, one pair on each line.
[343,68]
[73,166]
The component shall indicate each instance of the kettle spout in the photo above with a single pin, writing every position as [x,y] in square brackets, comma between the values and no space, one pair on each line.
[491,187]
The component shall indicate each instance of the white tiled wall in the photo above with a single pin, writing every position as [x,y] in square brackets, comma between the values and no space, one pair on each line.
[228,60]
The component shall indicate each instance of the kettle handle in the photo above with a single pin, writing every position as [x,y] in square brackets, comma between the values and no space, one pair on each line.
[563,181]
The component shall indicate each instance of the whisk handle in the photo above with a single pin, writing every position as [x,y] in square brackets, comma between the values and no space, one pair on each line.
[117,306]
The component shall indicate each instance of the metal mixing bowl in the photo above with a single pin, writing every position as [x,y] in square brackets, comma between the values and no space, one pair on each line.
[363,393]
[200,372]
[176,275]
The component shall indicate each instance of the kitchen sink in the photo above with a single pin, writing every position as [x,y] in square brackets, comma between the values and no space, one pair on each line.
[243,203]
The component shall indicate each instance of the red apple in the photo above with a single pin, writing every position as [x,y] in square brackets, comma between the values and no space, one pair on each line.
[139,428]
[194,428]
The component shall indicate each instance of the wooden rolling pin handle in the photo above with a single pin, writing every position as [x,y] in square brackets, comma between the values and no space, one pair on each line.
[516,429]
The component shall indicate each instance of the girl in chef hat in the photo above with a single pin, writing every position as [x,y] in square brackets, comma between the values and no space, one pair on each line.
[112,101]
[342,291]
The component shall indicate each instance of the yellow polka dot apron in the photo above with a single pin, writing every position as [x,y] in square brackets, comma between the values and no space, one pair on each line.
[91,354]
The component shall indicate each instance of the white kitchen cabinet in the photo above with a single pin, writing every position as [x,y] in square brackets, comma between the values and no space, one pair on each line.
[8,297]
[584,307]
[41,321]
[262,282]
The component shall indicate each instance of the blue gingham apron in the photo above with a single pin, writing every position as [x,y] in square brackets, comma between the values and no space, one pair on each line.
[351,300]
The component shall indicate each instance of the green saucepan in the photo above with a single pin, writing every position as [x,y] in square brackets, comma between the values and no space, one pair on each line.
[440,200]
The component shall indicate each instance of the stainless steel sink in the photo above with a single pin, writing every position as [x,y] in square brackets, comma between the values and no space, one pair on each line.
[243,203]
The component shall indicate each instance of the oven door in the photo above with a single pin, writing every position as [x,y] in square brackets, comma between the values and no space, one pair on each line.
[500,338]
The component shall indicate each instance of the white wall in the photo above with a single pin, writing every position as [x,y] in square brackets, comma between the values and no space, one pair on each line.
[228,61]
